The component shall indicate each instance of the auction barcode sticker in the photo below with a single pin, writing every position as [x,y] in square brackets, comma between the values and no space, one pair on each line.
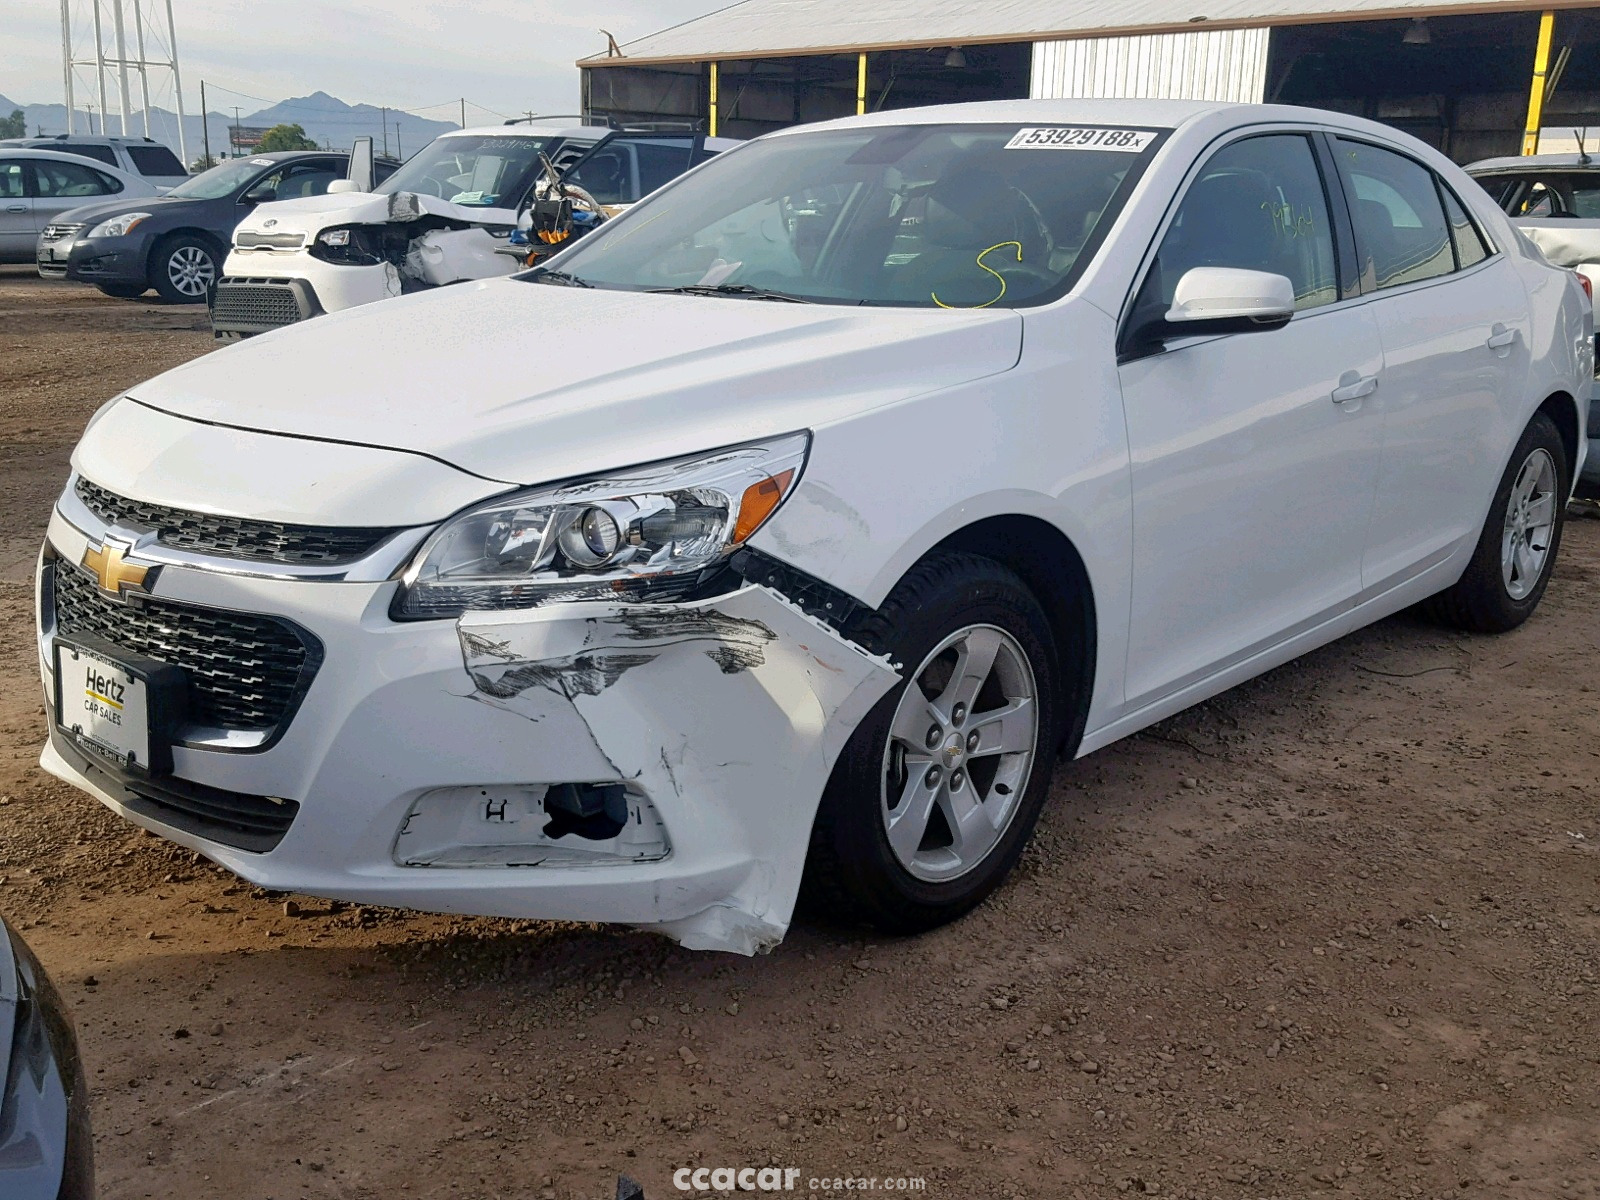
[1078,137]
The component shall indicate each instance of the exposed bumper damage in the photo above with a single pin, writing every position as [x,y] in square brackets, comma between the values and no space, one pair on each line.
[725,714]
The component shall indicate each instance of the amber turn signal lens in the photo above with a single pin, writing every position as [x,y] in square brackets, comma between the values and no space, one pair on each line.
[760,499]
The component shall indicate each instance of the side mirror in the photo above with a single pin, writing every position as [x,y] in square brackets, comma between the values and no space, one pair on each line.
[339,186]
[1229,300]
[260,195]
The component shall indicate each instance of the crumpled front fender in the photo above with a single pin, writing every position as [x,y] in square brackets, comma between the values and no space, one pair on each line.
[728,713]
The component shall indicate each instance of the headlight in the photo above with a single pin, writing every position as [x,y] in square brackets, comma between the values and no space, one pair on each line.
[652,530]
[118,226]
[334,237]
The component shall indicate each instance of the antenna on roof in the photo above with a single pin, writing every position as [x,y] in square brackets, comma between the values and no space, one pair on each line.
[1581,134]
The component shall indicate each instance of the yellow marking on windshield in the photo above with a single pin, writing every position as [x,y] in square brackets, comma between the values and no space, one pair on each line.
[991,270]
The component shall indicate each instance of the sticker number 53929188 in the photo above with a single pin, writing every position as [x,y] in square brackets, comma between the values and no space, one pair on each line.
[1080,137]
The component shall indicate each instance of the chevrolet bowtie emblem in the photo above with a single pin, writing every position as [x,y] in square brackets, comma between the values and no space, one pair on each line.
[113,572]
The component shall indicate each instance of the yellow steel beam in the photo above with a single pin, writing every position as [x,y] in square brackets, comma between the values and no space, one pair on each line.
[713,99]
[861,84]
[1541,68]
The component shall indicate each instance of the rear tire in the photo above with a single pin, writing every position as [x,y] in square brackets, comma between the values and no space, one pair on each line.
[123,291]
[184,269]
[937,791]
[1516,551]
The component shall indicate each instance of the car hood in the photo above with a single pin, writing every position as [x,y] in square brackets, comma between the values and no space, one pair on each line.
[528,383]
[312,214]
[104,210]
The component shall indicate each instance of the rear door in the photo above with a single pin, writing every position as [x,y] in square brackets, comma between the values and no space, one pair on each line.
[1452,316]
[67,183]
[17,229]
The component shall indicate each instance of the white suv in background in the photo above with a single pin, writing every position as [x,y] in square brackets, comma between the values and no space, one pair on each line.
[144,157]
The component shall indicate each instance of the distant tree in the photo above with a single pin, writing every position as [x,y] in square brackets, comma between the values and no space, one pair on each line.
[204,163]
[286,137]
[16,125]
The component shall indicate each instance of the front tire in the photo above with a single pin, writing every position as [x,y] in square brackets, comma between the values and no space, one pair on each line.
[184,269]
[1516,551]
[935,795]
[123,291]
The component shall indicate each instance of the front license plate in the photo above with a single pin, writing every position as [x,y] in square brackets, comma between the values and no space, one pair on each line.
[104,706]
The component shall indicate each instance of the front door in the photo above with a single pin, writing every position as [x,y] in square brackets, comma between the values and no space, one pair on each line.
[1254,455]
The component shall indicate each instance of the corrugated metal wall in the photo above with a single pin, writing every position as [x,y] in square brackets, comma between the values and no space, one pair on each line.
[1214,64]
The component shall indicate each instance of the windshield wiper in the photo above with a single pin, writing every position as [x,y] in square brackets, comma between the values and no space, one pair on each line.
[561,279]
[730,289]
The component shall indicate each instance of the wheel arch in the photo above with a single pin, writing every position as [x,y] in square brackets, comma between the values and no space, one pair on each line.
[1052,568]
[1562,408]
[162,240]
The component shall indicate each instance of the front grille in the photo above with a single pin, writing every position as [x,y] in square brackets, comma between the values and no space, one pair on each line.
[234,537]
[55,231]
[247,240]
[237,819]
[255,305]
[246,671]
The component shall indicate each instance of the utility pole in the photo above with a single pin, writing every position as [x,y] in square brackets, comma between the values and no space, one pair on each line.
[124,98]
[144,75]
[385,118]
[66,62]
[205,123]
[463,112]
[235,135]
[399,149]
[177,85]
[99,70]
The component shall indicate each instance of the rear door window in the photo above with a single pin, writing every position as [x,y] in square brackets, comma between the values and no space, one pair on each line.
[69,180]
[13,184]
[95,150]
[155,160]
[1401,232]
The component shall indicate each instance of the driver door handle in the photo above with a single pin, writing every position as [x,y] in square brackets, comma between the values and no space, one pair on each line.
[1354,387]
[16,208]
[1500,337]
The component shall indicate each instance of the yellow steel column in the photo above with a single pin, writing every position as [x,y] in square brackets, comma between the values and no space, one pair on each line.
[1541,66]
[861,85]
[713,99]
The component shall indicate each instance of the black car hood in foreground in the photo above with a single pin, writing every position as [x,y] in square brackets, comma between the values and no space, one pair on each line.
[46,1150]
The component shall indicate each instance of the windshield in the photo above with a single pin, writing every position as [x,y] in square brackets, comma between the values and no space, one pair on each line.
[221,180]
[949,216]
[480,172]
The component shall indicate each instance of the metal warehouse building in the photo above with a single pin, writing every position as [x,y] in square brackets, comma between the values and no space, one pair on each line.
[1475,78]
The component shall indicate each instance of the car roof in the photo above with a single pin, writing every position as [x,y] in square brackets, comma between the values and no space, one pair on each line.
[1535,162]
[58,139]
[39,152]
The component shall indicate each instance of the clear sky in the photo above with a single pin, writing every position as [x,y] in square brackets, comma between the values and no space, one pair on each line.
[508,55]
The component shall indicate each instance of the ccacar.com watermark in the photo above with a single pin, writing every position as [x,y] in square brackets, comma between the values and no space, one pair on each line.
[791,1179]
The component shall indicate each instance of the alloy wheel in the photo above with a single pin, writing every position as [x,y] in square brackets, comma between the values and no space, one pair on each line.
[191,271]
[961,748]
[1529,526]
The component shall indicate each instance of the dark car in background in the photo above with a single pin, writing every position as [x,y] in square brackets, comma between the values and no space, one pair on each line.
[176,243]
[46,1150]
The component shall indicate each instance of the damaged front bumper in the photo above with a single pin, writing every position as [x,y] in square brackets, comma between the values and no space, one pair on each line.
[657,765]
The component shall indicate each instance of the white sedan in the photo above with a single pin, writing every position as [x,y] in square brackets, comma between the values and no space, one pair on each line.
[787,529]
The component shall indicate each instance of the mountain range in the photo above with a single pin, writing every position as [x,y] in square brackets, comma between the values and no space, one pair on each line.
[326,119]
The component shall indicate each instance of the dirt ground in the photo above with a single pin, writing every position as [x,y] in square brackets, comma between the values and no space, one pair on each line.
[1333,933]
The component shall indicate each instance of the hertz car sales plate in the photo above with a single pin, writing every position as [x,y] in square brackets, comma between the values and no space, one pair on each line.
[1081,137]
[104,705]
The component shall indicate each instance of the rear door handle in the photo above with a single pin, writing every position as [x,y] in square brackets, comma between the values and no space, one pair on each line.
[1501,337]
[1354,387]
[16,208]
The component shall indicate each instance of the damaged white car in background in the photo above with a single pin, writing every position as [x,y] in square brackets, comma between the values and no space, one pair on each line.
[922,448]
[456,211]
